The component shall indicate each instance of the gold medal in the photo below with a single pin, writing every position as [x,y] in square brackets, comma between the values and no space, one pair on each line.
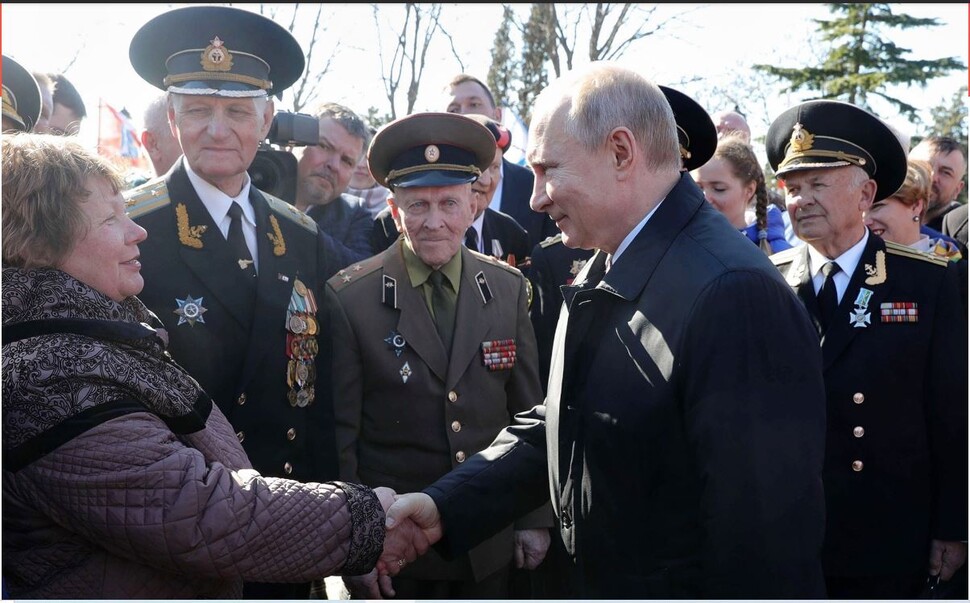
[300,287]
[311,325]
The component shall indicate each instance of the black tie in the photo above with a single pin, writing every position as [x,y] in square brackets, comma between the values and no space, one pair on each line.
[471,238]
[443,307]
[237,242]
[828,299]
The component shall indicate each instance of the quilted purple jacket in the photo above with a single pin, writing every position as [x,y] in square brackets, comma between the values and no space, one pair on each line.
[121,480]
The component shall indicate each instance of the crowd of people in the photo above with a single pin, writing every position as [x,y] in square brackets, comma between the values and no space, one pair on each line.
[628,370]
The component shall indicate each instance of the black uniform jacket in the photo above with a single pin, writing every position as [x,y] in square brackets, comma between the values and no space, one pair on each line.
[407,413]
[517,184]
[895,361]
[683,427]
[242,347]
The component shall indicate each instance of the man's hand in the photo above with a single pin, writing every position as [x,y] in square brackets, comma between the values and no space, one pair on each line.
[530,547]
[369,586]
[946,558]
[413,525]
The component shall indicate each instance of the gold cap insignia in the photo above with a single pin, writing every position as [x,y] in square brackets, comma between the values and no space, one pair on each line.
[432,153]
[801,139]
[216,56]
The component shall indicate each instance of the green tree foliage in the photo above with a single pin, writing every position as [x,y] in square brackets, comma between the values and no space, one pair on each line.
[538,46]
[504,69]
[861,62]
[950,119]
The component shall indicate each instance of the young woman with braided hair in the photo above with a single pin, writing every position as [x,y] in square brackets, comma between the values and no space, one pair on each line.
[731,179]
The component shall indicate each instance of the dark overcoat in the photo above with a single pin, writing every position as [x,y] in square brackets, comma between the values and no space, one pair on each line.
[683,428]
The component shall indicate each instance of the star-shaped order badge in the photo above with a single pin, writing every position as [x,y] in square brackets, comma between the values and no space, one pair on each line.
[190,310]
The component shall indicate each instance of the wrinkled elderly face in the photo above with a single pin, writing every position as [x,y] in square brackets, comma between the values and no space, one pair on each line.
[105,256]
[825,204]
[484,188]
[433,219]
[220,136]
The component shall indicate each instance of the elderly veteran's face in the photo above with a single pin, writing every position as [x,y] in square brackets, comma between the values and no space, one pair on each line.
[220,136]
[484,187]
[827,204]
[434,219]
[106,255]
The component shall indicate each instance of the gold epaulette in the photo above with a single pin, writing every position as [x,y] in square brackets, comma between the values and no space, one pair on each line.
[909,252]
[289,212]
[491,259]
[145,199]
[784,257]
[355,272]
[548,241]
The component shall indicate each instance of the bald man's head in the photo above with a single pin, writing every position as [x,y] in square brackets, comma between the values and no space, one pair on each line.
[731,121]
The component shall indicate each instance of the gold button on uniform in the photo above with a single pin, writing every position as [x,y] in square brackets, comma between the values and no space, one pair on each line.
[455,426]
[452,396]
[288,468]
[858,431]
[857,465]
[858,398]
[240,436]
[460,456]
[290,434]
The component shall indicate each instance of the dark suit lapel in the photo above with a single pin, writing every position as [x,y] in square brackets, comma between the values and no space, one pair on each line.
[799,277]
[208,256]
[868,286]
[472,314]
[415,323]
[274,284]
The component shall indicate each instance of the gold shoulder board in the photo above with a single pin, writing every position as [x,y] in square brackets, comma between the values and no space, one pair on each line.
[909,252]
[556,238]
[285,210]
[145,199]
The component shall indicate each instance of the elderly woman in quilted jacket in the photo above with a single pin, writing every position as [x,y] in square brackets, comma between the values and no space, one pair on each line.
[121,479]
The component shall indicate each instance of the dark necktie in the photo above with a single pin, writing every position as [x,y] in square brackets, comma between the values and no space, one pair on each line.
[828,299]
[443,307]
[237,242]
[471,238]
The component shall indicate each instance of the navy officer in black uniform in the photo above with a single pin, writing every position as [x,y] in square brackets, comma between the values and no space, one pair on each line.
[236,275]
[894,346]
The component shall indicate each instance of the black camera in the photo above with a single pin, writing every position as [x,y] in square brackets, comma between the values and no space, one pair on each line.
[274,170]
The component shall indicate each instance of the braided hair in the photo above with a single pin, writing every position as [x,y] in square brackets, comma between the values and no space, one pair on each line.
[744,165]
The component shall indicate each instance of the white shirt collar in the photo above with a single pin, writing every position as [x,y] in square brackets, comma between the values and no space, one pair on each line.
[633,234]
[847,262]
[218,202]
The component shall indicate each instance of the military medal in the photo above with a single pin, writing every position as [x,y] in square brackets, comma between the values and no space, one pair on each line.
[899,312]
[498,354]
[859,317]
[405,372]
[190,310]
[396,343]
[301,345]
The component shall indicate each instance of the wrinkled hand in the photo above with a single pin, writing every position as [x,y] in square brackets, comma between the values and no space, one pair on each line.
[413,525]
[386,496]
[530,547]
[369,586]
[946,558]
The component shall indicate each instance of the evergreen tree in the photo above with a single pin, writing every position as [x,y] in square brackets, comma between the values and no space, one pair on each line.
[861,61]
[504,68]
[951,119]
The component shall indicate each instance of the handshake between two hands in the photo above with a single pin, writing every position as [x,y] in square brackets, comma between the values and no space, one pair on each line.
[413,524]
